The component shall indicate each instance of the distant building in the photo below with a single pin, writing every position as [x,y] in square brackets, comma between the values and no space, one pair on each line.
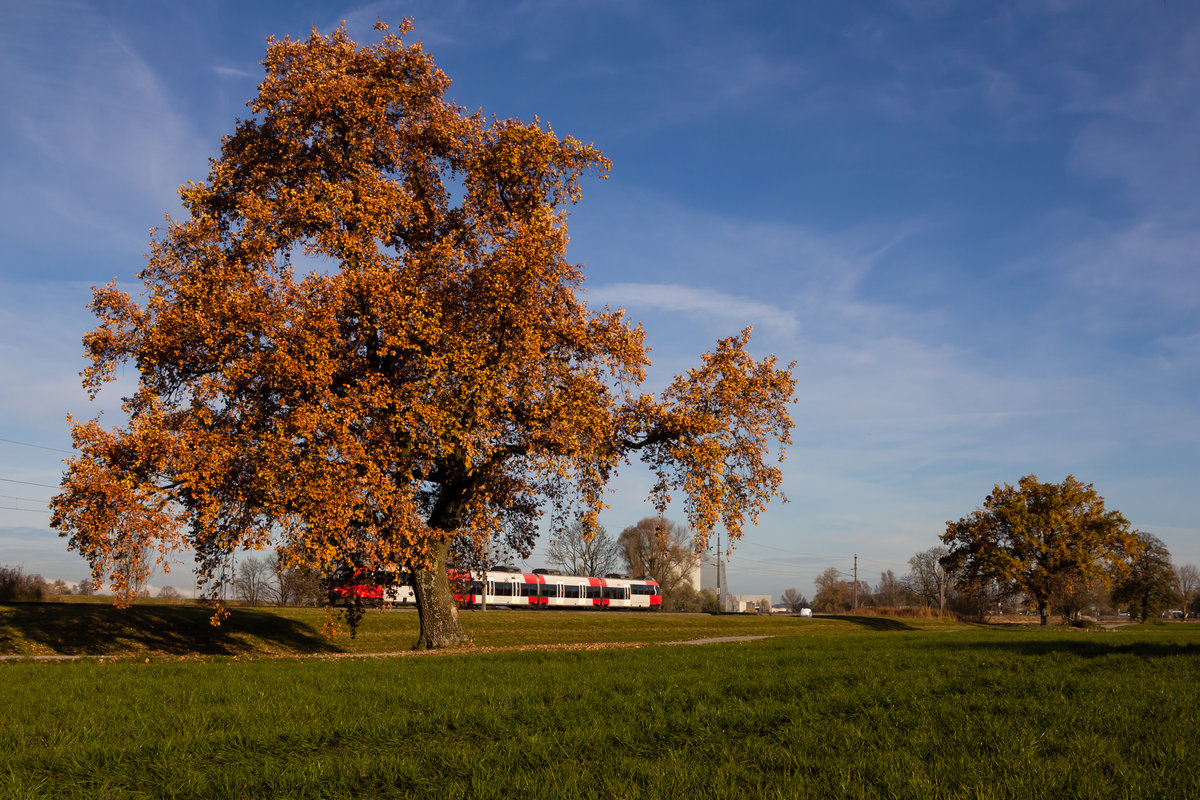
[747,602]
[705,575]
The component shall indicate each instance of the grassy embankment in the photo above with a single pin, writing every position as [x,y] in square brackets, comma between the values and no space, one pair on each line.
[183,629]
[828,708]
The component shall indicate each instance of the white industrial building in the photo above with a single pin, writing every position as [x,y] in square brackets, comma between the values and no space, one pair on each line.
[704,576]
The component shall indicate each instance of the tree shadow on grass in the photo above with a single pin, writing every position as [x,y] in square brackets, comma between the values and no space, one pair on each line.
[1090,647]
[79,629]
[873,623]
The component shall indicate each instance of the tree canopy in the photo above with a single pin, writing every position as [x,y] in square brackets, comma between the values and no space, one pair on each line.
[364,339]
[1151,585]
[665,551]
[1040,539]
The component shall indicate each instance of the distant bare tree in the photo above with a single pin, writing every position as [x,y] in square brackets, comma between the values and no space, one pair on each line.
[575,554]
[169,593]
[252,580]
[928,578]
[833,593]
[1188,577]
[794,600]
[662,550]
[292,585]
[85,588]
[890,592]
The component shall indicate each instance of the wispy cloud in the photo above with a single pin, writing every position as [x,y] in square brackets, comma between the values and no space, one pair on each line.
[93,127]
[708,304]
[233,72]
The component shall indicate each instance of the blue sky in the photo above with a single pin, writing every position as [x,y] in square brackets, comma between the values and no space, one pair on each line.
[973,226]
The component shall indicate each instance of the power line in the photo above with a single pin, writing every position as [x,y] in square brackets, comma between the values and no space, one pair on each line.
[29,483]
[26,499]
[38,446]
[30,510]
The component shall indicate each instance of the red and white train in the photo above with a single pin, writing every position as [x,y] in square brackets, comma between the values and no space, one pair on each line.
[508,587]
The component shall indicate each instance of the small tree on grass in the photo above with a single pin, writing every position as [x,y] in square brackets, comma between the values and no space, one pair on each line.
[1040,539]
[794,600]
[1150,586]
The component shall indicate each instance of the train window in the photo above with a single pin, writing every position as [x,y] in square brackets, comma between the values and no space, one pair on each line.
[592,592]
[570,591]
[529,590]
[550,589]
[501,589]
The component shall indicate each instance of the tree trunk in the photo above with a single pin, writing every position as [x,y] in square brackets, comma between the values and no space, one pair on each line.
[435,606]
[1044,612]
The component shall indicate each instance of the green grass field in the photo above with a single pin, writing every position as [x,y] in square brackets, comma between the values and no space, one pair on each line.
[850,707]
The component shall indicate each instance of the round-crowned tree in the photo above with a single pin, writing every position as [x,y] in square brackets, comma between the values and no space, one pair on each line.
[364,339]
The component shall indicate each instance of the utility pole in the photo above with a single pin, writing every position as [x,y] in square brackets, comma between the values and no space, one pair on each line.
[484,581]
[720,593]
[856,581]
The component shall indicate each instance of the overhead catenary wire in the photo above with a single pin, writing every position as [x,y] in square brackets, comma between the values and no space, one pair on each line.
[37,446]
[30,483]
[26,499]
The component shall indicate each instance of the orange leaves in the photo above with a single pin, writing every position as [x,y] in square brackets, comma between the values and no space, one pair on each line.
[114,519]
[1034,536]
[713,434]
[431,372]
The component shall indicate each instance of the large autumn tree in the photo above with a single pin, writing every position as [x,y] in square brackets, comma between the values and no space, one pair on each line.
[364,340]
[1040,539]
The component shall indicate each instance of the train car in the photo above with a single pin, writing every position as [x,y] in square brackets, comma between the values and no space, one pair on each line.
[370,587]
[546,589]
[502,587]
